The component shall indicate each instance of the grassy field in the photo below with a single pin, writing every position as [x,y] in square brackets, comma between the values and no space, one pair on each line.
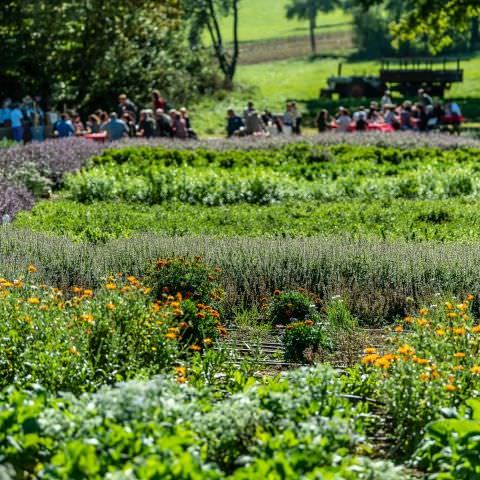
[265,19]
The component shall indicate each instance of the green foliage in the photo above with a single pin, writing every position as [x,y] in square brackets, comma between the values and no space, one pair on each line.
[302,338]
[192,278]
[299,425]
[450,447]
[288,307]
[78,340]
[431,363]
[96,51]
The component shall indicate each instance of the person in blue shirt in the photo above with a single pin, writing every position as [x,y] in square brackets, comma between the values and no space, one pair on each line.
[5,112]
[116,129]
[64,127]
[234,123]
[16,118]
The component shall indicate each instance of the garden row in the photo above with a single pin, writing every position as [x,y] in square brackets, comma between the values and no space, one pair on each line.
[184,424]
[378,280]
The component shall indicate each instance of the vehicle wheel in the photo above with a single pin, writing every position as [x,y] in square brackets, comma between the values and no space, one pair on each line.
[356,90]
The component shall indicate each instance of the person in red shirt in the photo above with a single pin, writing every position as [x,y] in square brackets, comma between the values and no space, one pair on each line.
[158,101]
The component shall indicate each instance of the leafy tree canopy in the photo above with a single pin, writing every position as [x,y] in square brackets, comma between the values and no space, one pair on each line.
[434,19]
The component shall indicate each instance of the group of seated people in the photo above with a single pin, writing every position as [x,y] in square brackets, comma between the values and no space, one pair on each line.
[158,121]
[423,115]
[264,123]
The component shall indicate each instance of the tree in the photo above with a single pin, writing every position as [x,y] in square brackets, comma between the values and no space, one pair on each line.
[86,52]
[434,19]
[309,10]
[206,14]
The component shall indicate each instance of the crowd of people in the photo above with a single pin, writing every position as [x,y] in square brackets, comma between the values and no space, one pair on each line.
[423,115]
[29,119]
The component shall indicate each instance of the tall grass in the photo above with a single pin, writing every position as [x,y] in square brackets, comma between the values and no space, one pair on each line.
[378,280]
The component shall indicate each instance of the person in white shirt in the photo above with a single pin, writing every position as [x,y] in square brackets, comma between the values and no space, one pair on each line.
[386,99]
[343,120]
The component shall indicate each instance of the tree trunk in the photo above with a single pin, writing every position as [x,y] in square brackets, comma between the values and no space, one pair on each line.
[313,26]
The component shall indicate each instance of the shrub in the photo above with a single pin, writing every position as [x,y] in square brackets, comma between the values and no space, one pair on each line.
[288,307]
[192,278]
[302,339]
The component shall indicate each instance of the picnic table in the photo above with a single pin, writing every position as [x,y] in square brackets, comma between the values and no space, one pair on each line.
[371,127]
[96,137]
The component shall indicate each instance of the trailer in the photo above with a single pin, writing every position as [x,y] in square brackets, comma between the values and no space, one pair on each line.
[403,75]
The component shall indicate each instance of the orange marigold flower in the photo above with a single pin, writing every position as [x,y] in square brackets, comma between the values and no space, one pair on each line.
[110,286]
[88,293]
[476,329]
[458,368]
[195,348]
[87,318]
[470,297]
[171,336]
[448,306]
[450,388]
[200,315]
[398,329]
[406,350]
[181,379]
[309,323]
[207,341]
[424,377]
[370,351]
[370,359]
[383,362]
[459,355]
[459,330]
[475,370]
[409,319]
[452,315]
[422,322]
[421,361]
[110,306]
[423,311]
[32,269]
[182,371]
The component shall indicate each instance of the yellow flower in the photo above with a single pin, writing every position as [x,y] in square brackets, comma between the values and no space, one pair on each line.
[475,370]
[110,286]
[32,269]
[448,306]
[171,336]
[33,300]
[88,293]
[421,361]
[462,306]
[423,311]
[452,315]
[476,329]
[181,379]
[110,306]
[370,351]
[470,297]
[450,388]
[424,377]
[383,362]
[458,368]
[370,359]
[398,329]
[73,350]
[440,332]
[146,291]
[422,322]
[406,350]
[408,319]
[459,331]
[207,341]
[459,355]
[182,371]
[87,318]
[195,348]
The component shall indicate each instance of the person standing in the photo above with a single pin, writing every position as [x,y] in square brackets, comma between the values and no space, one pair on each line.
[125,106]
[146,126]
[64,127]
[322,121]
[343,120]
[179,125]
[16,118]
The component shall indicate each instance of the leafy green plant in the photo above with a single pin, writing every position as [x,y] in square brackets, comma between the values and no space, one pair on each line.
[302,339]
[450,447]
[288,307]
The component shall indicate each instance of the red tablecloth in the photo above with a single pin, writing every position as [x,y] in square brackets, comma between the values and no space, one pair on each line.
[371,127]
[96,137]
[452,119]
